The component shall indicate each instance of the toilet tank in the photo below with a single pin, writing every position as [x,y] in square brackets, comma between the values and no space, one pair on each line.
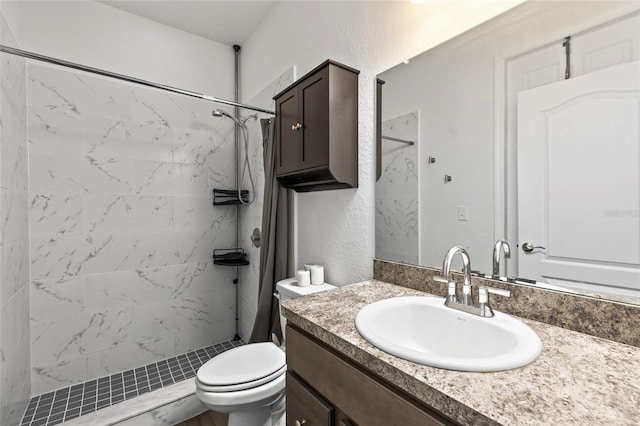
[289,289]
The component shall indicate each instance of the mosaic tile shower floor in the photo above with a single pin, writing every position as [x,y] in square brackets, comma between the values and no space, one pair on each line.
[68,403]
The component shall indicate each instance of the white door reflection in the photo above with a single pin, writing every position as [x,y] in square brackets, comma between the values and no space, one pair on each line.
[579,181]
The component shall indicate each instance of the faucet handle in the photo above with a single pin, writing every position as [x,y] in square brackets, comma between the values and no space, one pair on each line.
[451,293]
[483,299]
[483,293]
[499,291]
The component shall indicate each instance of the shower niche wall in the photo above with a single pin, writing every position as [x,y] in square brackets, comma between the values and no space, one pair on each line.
[122,226]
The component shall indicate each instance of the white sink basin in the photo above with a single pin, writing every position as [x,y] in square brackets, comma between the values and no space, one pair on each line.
[423,330]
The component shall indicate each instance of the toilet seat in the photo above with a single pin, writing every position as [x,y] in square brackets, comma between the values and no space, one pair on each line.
[242,368]
[241,386]
[248,399]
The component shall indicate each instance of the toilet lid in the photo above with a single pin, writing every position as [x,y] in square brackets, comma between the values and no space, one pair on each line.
[267,380]
[244,364]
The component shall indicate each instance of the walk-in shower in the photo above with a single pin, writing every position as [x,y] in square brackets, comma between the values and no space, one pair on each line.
[125,298]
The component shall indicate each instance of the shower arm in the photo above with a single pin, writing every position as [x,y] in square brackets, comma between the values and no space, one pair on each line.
[98,71]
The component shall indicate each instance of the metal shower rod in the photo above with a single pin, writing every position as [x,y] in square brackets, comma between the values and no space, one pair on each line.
[408,142]
[55,61]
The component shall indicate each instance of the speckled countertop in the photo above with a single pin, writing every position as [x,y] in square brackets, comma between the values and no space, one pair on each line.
[576,380]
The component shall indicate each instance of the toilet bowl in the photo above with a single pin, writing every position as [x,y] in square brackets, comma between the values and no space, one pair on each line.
[248,382]
[245,382]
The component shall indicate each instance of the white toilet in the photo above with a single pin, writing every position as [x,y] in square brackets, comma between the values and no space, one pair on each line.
[248,382]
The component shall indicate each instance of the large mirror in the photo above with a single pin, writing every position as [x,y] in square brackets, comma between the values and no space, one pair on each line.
[524,129]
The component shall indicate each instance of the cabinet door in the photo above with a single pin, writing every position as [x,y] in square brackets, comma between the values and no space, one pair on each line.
[304,407]
[352,391]
[314,114]
[288,135]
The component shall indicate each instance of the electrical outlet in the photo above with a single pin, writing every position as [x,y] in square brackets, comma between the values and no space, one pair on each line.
[463,213]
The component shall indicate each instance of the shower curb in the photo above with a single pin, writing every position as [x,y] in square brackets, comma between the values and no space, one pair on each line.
[166,406]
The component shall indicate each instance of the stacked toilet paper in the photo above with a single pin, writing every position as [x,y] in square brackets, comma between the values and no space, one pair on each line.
[310,275]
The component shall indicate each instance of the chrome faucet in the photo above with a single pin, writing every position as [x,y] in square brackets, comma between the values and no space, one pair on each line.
[502,246]
[481,308]
[467,298]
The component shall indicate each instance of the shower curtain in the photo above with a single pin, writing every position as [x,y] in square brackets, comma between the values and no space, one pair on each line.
[275,246]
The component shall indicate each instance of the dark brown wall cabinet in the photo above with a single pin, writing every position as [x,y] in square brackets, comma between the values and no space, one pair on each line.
[325,388]
[317,130]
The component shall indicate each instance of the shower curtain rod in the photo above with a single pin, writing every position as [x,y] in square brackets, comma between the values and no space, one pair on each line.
[55,61]
[408,142]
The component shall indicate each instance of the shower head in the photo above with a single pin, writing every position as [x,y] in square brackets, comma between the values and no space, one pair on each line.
[219,113]
[240,122]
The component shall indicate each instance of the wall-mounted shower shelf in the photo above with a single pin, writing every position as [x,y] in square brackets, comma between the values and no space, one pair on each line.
[230,257]
[227,197]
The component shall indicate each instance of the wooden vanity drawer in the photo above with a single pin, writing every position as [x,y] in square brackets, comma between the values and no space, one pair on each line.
[357,393]
[304,406]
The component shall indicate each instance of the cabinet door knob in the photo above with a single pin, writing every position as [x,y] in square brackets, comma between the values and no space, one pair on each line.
[301,422]
[296,126]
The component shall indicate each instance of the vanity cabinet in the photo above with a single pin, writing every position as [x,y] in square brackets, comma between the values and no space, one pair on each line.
[317,130]
[306,405]
[325,388]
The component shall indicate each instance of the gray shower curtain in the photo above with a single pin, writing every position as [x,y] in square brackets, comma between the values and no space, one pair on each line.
[275,246]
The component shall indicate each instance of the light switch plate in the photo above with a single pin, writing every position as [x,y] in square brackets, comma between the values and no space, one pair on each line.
[463,213]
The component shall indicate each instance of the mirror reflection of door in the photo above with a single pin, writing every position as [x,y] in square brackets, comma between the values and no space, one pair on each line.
[579,180]
[592,50]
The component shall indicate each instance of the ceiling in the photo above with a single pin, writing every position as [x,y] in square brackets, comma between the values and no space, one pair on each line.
[224,21]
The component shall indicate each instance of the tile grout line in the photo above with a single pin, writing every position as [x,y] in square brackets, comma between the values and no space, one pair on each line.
[184,373]
[135,379]
[66,406]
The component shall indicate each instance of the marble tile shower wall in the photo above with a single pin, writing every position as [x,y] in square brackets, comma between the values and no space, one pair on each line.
[397,192]
[122,226]
[14,236]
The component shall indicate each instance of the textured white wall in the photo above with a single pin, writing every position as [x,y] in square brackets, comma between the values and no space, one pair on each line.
[336,228]
[12,13]
[101,36]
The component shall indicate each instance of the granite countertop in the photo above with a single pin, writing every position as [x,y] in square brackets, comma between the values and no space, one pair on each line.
[577,379]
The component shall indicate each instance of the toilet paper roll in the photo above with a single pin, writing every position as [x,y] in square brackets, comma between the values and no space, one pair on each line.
[317,275]
[303,277]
